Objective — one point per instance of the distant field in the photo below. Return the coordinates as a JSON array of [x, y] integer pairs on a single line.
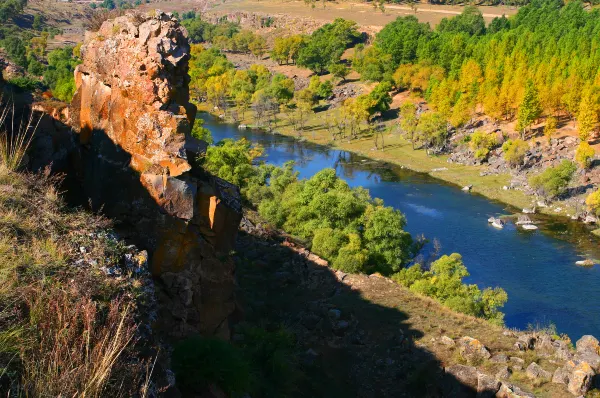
[[364, 14]]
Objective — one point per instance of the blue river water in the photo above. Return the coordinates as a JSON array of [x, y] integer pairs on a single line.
[[537, 269]]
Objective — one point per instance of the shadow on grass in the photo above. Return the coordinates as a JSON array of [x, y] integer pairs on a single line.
[[347, 346]]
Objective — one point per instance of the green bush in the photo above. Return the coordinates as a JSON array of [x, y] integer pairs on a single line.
[[482, 143], [25, 83], [554, 180], [199, 362], [514, 151], [272, 359], [200, 132], [444, 282], [327, 242]]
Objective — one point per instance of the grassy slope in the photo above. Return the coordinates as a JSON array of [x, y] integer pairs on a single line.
[[57, 307]]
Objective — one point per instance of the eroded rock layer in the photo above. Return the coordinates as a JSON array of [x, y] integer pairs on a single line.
[[133, 119]]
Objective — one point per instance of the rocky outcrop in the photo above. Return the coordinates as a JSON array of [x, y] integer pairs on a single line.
[[132, 118]]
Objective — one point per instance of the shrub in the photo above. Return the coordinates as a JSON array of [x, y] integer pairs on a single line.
[[200, 132], [514, 151], [232, 161], [199, 362], [584, 154], [444, 282], [482, 143], [327, 242], [554, 180]]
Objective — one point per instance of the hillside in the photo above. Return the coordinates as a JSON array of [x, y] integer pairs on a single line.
[[138, 260]]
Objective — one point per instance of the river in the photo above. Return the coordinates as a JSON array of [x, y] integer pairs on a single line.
[[536, 268]]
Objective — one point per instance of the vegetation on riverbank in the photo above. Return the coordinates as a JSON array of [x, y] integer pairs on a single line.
[[347, 227]]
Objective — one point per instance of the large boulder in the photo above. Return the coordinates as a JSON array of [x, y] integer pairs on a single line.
[[588, 344], [580, 380], [132, 117]]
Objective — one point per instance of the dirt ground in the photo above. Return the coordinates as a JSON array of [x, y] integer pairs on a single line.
[[364, 14]]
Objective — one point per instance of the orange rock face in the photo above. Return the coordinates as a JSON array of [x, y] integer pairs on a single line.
[[133, 118]]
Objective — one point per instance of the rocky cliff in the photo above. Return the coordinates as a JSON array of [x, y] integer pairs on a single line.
[[131, 153]]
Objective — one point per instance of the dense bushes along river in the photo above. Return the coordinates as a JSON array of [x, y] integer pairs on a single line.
[[348, 227]]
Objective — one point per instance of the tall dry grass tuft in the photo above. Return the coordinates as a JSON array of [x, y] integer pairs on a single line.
[[15, 140], [76, 346]]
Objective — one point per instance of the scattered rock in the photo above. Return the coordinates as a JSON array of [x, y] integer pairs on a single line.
[[503, 373], [472, 349], [512, 391], [334, 313], [499, 358], [487, 386], [535, 372], [445, 340], [467, 188], [561, 375], [467, 375]]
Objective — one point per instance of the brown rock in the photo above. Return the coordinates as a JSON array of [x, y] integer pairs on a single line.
[[503, 373], [466, 375]]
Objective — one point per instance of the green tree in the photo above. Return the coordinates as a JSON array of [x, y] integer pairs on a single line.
[[432, 131], [409, 121], [38, 21], [529, 109], [327, 44], [200, 132], [339, 70], [550, 127]]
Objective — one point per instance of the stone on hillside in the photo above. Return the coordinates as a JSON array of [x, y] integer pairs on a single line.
[[590, 358], [535, 372], [580, 380], [512, 391], [503, 373], [445, 340], [525, 342], [466, 375], [499, 358], [487, 386], [334, 313], [588, 344], [472, 349], [561, 375]]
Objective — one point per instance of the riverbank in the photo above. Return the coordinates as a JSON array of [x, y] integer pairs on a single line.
[[399, 151]]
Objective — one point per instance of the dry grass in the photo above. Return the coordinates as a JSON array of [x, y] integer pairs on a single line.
[[15, 139], [66, 329]]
